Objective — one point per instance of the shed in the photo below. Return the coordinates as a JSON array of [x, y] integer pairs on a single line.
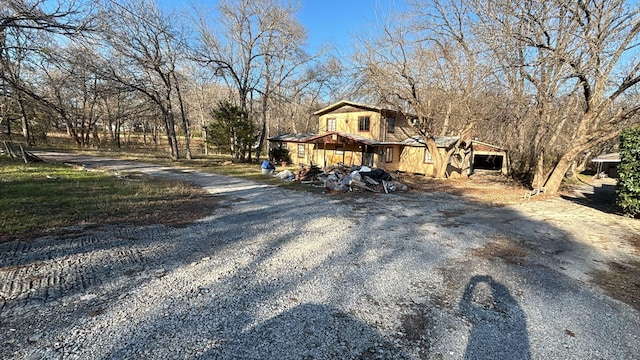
[[489, 157]]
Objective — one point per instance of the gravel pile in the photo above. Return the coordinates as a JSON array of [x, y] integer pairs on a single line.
[[276, 274]]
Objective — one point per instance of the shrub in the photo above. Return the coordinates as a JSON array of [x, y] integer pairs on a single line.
[[628, 189], [278, 154]]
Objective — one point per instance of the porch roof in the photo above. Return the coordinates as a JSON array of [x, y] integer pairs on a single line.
[[333, 135], [291, 137], [441, 141]]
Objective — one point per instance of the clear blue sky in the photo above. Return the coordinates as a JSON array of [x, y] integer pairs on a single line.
[[336, 21], [326, 21]]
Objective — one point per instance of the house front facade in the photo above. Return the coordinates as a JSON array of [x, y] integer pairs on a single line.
[[357, 134]]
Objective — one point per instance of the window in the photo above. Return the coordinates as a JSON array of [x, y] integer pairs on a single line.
[[427, 156], [389, 155], [391, 125], [300, 150], [339, 150], [331, 124], [363, 123]]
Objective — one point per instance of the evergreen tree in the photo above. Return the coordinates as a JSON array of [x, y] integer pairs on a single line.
[[233, 131]]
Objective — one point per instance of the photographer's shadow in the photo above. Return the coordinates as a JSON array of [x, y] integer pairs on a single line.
[[499, 324]]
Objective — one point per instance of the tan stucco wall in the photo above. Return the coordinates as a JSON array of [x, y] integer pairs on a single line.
[[412, 161], [293, 153], [347, 122]]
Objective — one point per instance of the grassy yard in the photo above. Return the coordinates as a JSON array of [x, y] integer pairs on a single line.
[[40, 197]]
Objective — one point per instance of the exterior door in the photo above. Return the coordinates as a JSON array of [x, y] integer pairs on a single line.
[[367, 156]]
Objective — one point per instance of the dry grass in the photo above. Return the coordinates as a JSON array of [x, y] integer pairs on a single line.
[[482, 187], [40, 198], [621, 281]]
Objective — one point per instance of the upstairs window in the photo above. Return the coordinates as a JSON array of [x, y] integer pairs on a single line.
[[391, 125], [363, 123], [331, 124]]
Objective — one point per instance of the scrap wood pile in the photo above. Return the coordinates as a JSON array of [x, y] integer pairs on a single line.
[[345, 178], [18, 152]]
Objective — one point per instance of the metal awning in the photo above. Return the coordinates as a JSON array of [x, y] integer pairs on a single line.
[[607, 158]]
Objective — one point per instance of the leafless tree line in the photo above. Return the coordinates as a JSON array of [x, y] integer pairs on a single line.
[[551, 81], [98, 68]]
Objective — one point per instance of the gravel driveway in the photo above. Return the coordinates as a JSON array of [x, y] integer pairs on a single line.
[[280, 274]]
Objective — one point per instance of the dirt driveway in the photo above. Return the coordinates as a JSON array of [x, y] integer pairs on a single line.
[[280, 274]]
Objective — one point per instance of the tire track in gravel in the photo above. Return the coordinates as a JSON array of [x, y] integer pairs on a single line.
[[51, 270]]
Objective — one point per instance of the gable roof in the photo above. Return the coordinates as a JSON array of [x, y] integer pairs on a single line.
[[342, 103]]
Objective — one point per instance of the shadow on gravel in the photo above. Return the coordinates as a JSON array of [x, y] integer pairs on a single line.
[[602, 197], [499, 324], [275, 274], [310, 331]]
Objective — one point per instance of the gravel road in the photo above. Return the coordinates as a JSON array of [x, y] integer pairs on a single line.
[[280, 274]]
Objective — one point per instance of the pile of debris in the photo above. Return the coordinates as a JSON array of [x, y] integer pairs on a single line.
[[18, 152], [345, 178], [308, 173]]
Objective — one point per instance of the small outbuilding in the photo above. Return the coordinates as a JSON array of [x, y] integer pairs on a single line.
[[607, 165], [486, 156]]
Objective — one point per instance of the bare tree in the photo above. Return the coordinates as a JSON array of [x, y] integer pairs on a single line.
[[255, 49], [60, 17], [13, 61], [575, 60], [73, 89], [148, 45], [423, 65], [559, 73], [23, 26]]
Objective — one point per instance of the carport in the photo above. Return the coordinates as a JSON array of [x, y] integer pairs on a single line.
[[607, 164]]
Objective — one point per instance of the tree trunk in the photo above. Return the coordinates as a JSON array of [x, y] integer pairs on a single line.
[[582, 166], [553, 183], [26, 132], [538, 174], [9, 128], [185, 121], [263, 131], [439, 165], [170, 127], [171, 135]]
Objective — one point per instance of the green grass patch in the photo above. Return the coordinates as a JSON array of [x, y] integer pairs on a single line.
[[39, 197]]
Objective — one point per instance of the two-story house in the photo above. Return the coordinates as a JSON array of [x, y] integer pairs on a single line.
[[359, 134]]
